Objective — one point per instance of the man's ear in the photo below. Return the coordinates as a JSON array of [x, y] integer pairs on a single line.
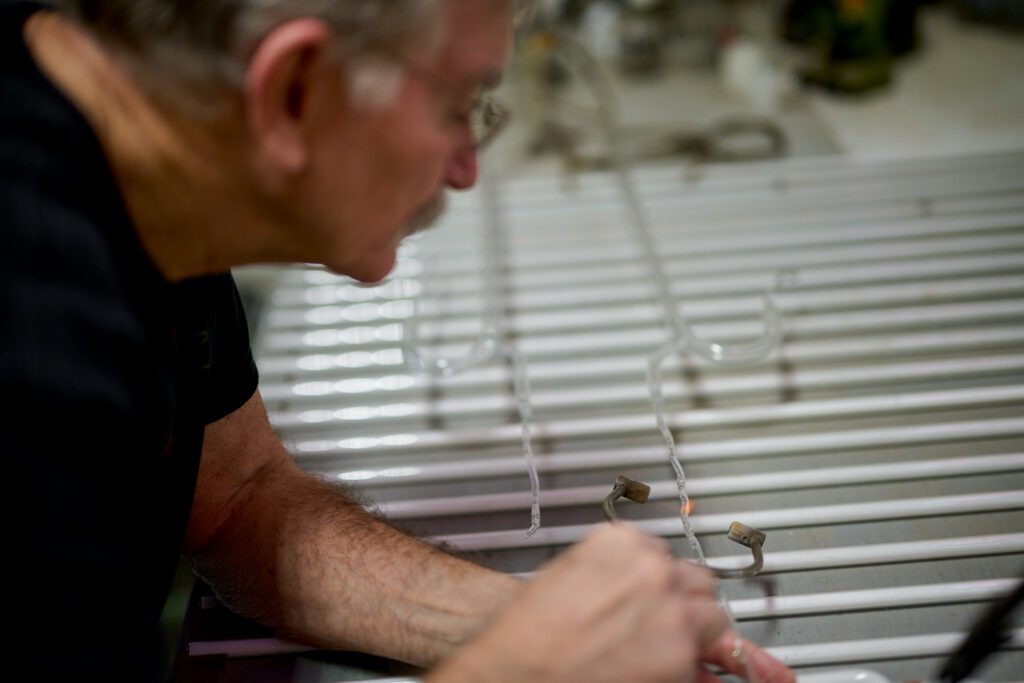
[[279, 83]]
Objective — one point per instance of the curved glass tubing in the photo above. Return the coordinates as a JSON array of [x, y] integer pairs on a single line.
[[490, 344], [682, 338]]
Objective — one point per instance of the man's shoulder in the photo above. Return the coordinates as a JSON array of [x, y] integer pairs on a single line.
[[64, 227], [64, 235]]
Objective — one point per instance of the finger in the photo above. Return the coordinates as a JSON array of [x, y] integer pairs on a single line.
[[696, 581], [748, 661], [729, 653], [767, 668], [708, 622]]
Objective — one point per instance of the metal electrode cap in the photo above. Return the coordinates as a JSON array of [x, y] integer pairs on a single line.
[[746, 535], [633, 490]]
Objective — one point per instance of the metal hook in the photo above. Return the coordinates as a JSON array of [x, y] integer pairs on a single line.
[[739, 533], [624, 488], [751, 538]]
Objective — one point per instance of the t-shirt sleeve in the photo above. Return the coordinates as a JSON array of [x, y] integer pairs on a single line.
[[233, 373]]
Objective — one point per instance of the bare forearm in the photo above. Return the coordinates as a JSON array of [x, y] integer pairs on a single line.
[[297, 554], [302, 557]]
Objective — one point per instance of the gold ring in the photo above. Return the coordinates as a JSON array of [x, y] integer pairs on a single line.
[[737, 649]]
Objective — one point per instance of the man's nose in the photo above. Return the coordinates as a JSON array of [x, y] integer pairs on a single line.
[[461, 171]]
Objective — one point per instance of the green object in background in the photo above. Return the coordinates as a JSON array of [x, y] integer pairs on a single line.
[[852, 38]]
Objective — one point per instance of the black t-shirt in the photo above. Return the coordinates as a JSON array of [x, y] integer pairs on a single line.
[[109, 374]]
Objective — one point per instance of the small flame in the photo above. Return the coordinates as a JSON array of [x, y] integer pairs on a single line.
[[688, 508]]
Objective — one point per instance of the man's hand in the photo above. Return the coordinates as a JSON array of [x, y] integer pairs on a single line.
[[616, 607]]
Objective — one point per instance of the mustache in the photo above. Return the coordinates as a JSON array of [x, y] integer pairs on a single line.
[[428, 215]]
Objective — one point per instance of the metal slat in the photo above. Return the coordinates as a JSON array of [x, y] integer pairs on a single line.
[[425, 471], [603, 295], [736, 282], [621, 395], [792, 259], [879, 649], [874, 599], [880, 447], [761, 519], [730, 178], [713, 486], [866, 274], [578, 212], [619, 425], [883, 553], [601, 221], [760, 235], [617, 365], [825, 653], [569, 321], [816, 559]]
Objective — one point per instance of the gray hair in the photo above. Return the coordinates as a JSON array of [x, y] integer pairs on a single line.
[[203, 46]]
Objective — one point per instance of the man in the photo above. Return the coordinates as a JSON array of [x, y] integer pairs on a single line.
[[148, 147]]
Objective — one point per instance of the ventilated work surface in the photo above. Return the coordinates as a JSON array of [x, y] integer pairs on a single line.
[[881, 446]]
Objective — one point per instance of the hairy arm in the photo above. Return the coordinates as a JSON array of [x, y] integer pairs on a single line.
[[297, 554]]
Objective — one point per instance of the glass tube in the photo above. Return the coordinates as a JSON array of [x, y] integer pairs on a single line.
[[490, 344]]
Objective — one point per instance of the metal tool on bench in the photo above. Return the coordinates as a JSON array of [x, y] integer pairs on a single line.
[[749, 537], [988, 634]]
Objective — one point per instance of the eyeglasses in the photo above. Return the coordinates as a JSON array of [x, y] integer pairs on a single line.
[[487, 116]]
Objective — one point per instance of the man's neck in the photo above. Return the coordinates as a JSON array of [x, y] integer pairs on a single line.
[[188, 206]]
